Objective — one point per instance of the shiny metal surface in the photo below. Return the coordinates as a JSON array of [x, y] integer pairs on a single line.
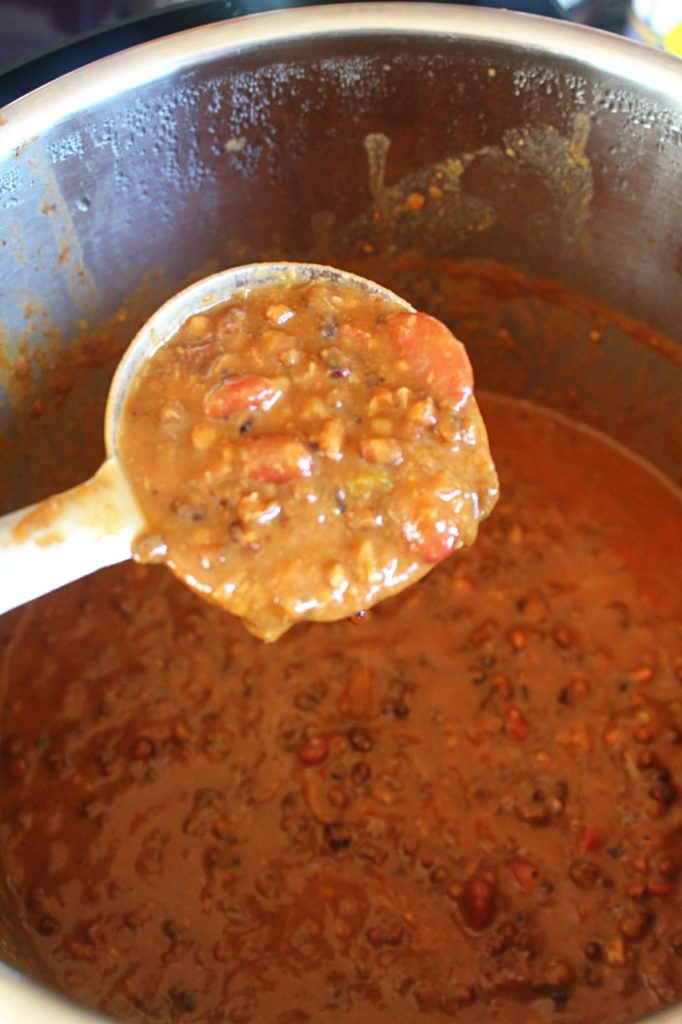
[[141, 143], [297, 135]]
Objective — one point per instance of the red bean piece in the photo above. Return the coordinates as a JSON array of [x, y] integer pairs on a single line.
[[314, 751], [478, 903], [516, 724], [590, 839]]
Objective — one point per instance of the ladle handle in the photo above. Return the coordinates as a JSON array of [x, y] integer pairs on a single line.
[[67, 536]]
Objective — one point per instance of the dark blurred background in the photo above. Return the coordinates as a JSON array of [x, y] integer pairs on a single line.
[[84, 30]]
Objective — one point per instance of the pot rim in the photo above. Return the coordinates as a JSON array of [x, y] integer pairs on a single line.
[[25, 119]]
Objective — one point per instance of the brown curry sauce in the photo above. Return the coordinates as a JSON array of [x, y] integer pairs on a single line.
[[465, 806]]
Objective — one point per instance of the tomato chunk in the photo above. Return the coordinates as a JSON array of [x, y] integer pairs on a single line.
[[276, 458], [239, 393], [431, 536], [435, 357]]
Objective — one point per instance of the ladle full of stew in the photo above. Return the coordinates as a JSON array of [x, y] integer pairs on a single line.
[[293, 441]]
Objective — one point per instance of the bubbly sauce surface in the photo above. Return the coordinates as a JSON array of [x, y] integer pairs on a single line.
[[465, 807]]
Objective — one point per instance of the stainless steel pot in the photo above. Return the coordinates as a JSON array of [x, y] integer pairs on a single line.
[[299, 133]]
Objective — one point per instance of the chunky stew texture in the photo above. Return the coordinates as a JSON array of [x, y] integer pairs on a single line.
[[305, 451], [465, 807]]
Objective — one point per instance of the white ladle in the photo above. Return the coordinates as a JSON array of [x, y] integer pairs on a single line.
[[93, 525]]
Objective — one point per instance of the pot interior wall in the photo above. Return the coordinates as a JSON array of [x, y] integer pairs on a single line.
[[387, 155], [335, 147]]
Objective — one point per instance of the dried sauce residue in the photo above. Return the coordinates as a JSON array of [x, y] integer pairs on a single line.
[[439, 206], [565, 169], [70, 257]]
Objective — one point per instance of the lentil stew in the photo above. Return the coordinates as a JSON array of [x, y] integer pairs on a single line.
[[305, 451], [466, 807]]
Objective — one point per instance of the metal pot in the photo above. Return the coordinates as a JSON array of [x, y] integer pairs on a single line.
[[296, 133]]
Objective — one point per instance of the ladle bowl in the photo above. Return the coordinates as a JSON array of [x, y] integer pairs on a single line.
[[94, 524]]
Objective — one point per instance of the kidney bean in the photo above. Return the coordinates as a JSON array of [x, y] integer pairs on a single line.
[[478, 903]]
